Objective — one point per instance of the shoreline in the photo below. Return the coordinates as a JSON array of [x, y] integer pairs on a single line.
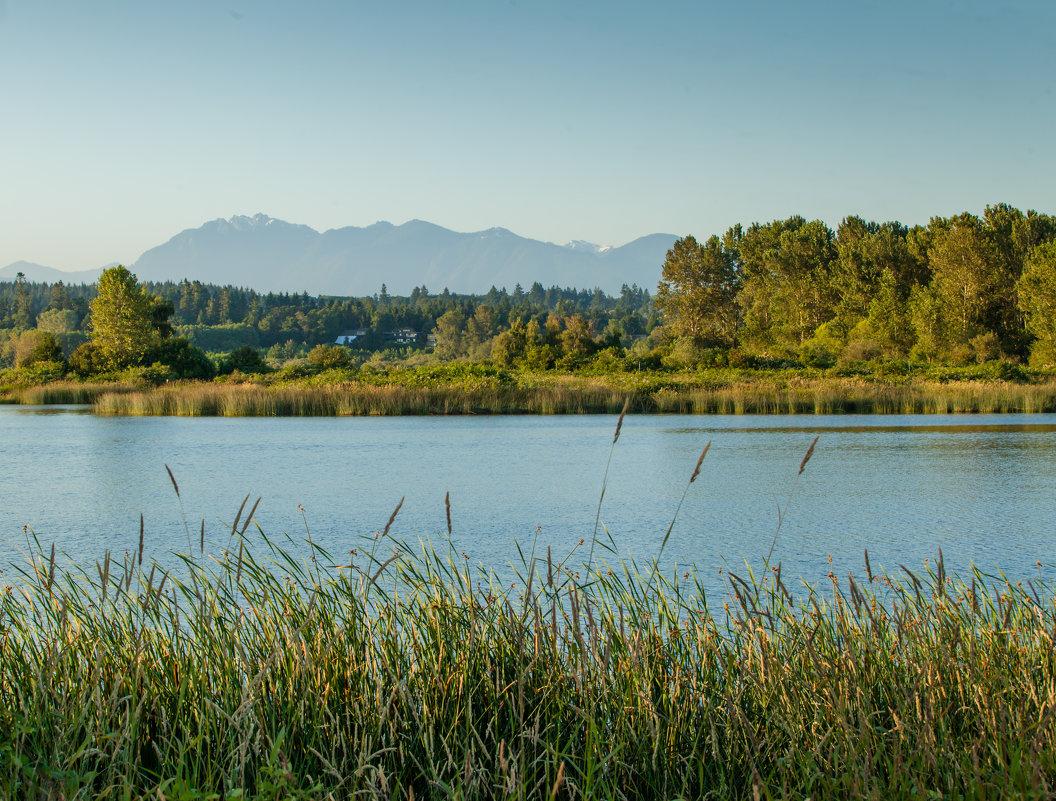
[[535, 393]]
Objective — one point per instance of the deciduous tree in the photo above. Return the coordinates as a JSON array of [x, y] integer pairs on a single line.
[[122, 319], [697, 292]]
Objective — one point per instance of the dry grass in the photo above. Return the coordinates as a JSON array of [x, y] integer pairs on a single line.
[[75, 392], [579, 395]]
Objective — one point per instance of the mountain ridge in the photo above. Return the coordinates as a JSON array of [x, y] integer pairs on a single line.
[[272, 255]]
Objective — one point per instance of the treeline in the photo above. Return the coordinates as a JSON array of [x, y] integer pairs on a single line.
[[867, 295], [221, 319], [960, 289]]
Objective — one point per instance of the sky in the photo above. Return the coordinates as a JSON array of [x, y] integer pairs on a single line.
[[125, 122]]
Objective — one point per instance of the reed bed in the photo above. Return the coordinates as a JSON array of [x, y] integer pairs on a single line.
[[356, 400], [275, 670], [75, 392], [584, 395]]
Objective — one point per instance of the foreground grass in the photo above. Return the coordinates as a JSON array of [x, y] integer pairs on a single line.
[[404, 674]]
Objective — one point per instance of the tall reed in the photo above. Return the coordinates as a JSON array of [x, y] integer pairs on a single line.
[[276, 670], [74, 392], [580, 395]]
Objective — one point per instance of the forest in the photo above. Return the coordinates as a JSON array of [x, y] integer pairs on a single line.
[[790, 293]]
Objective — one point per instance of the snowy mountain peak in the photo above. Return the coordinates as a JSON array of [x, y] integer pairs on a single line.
[[241, 221], [582, 246]]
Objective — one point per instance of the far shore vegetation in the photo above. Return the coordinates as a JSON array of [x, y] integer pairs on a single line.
[[783, 317]]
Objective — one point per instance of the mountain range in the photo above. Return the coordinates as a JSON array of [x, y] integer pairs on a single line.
[[271, 255]]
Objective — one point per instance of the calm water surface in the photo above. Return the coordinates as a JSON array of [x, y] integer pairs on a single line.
[[982, 488]]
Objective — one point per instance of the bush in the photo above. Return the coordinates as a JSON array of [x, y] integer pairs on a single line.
[[860, 350], [1004, 370], [985, 347], [34, 374], [181, 358], [154, 374], [741, 360], [33, 346], [246, 359], [86, 360], [816, 354], [329, 356]]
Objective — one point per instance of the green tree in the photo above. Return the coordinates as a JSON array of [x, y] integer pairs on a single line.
[[788, 289], [1037, 300], [245, 359], [23, 302], [968, 280], [450, 333], [122, 322], [58, 321], [697, 293], [33, 346], [871, 258]]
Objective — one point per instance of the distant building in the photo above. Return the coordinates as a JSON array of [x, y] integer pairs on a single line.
[[350, 335], [404, 336]]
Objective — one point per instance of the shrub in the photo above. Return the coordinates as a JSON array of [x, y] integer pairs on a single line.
[[246, 359], [985, 347], [182, 359], [860, 350], [32, 346], [329, 356], [816, 354], [86, 360]]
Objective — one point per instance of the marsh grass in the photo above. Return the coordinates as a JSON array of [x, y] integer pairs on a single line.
[[533, 394], [275, 669], [75, 392], [357, 400]]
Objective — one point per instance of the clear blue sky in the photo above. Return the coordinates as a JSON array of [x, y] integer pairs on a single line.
[[123, 122]]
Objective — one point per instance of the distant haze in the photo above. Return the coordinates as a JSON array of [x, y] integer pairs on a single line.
[[271, 255]]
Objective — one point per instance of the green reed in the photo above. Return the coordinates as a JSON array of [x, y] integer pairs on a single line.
[[76, 392], [279, 670], [570, 394]]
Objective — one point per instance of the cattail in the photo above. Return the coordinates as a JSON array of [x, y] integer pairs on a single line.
[[619, 423], [700, 461], [392, 517], [249, 517], [234, 526], [806, 458], [447, 506], [141, 538], [172, 478]]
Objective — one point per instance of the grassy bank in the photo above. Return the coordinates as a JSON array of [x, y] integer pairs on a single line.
[[76, 392], [569, 394], [277, 677]]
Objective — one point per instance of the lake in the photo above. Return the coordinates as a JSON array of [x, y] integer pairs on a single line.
[[981, 488]]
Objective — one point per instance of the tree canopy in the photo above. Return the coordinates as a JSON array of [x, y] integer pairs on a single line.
[[122, 321]]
